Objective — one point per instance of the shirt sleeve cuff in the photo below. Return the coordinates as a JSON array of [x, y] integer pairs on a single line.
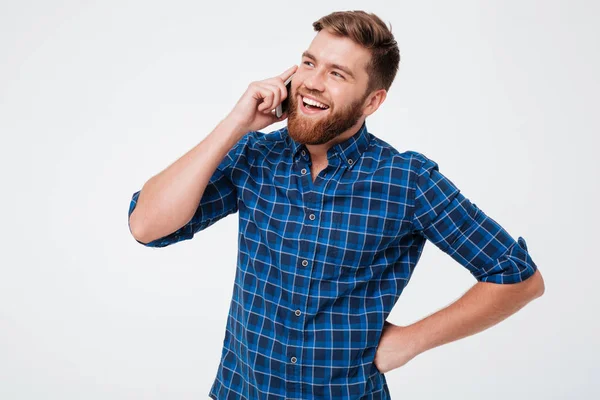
[[516, 265]]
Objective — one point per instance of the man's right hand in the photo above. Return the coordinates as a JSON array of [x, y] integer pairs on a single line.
[[255, 109]]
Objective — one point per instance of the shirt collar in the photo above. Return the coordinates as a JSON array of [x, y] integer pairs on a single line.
[[348, 152]]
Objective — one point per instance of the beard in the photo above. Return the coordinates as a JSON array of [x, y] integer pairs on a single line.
[[319, 129]]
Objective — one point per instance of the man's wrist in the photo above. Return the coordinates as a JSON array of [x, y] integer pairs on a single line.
[[414, 339], [232, 129]]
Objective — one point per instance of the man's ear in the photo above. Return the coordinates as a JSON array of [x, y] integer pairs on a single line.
[[373, 101]]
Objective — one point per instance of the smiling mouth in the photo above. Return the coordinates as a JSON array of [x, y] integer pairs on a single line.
[[309, 109]]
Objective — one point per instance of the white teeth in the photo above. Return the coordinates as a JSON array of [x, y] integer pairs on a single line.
[[314, 103]]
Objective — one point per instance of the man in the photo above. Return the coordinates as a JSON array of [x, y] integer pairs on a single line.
[[332, 221]]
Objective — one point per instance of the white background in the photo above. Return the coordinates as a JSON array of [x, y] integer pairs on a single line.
[[97, 97]]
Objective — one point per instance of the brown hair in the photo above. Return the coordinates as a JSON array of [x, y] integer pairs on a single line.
[[369, 31]]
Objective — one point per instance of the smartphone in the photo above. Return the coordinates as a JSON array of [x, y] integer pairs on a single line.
[[283, 107]]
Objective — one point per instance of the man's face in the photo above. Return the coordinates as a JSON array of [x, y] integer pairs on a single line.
[[343, 89]]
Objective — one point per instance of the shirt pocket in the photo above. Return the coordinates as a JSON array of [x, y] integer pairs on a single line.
[[366, 232], [364, 238]]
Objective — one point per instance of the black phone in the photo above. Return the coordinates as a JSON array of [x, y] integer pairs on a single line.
[[283, 107]]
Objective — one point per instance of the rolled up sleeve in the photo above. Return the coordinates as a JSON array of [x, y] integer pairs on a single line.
[[445, 217], [218, 200]]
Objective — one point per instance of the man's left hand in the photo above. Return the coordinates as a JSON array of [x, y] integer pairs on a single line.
[[394, 349]]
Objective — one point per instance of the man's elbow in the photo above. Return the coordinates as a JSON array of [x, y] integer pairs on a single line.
[[135, 229], [535, 284]]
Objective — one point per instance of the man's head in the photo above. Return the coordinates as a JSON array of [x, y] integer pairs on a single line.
[[349, 67]]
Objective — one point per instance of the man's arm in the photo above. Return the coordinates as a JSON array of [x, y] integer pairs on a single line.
[[168, 203], [507, 276], [168, 200], [482, 306]]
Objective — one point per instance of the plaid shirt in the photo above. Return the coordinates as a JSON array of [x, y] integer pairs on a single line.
[[320, 265]]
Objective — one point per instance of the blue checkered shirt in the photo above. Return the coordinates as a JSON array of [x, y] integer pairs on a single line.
[[321, 264]]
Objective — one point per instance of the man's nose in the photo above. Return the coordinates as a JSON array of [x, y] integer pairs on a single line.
[[315, 82]]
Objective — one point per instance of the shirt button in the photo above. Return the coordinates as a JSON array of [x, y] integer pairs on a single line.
[[303, 171], [350, 161], [294, 359], [312, 217], [297, 313], [303, 152], [304, 263]]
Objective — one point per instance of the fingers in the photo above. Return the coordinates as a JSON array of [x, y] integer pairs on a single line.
[[262, 93], [271, 92], [271, 97], [288, 72], [283, 92], [282, 89]]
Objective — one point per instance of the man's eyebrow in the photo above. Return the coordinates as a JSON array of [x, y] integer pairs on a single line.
[[332, 65]]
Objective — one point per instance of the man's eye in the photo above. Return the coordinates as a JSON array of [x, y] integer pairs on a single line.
[[337, 73]]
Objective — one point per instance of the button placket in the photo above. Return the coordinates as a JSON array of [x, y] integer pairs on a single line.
[[299, 303]]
